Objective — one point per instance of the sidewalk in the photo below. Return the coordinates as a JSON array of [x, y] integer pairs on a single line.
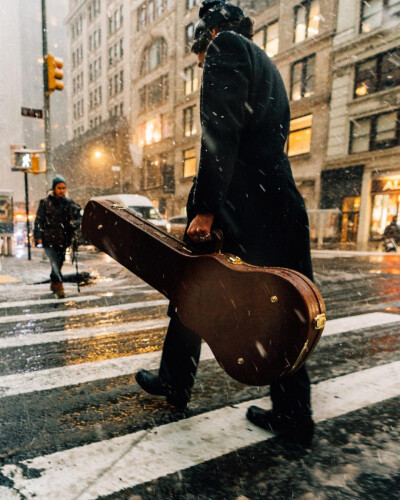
[[18, 269]]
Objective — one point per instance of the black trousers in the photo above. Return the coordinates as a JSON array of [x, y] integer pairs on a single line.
[[180, 358], [56, 256]]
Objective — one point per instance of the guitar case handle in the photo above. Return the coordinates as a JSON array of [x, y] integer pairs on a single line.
[[206, 247], [218, 239]]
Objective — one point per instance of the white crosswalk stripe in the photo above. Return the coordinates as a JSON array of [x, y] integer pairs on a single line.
[[80, 312], [11, 385], [108, 466], [102, 468]]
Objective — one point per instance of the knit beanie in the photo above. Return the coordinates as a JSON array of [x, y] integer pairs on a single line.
[[57, 179]]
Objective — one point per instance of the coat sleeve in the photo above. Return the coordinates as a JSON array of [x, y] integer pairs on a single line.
[[75, 215], [223, 111], [39, 221]]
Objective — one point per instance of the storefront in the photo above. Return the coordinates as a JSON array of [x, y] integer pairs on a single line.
[[385, 192]]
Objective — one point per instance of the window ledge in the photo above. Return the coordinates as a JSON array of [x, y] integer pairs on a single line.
[[301, 156]]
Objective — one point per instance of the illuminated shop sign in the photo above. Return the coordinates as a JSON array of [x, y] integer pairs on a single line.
[[386, 185]]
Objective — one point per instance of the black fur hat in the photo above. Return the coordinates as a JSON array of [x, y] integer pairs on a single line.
[[214, 13]]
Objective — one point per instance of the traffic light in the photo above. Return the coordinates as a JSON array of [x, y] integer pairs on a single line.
[[22, 160], [35, 164], [54, 74]]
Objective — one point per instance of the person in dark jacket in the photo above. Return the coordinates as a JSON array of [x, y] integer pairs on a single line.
[[245, 187], [57, 219]]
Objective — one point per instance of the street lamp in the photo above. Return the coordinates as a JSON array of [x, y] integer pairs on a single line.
[[97, 154]]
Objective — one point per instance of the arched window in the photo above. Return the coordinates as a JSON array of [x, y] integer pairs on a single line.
[[153, 55]]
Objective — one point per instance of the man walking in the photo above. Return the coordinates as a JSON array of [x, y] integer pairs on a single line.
[[245, 187], [57, 219]]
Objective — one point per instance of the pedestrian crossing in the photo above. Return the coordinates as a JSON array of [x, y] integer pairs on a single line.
[[103, 467]]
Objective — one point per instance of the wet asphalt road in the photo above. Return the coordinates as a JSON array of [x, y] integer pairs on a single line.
[[52, 399]]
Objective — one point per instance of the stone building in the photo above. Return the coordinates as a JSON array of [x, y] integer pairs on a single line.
[[166, 81], [132, 58], [361, 174]]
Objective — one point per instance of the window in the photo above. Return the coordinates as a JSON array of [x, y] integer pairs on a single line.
[[189, 162], [376, 12], [306, 20], [154, 93], [299, 141], [153, 173], [267, 38], [153, 130], [191, 79], [302, 78], [121, 81], [149, 11], [380, 73], [189, 125], [191, 3], [154, 55], [189, 35], [375, 132]]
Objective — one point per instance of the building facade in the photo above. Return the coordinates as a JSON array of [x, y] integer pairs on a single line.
[[98, 65], [133, 59], [361, 174], [166, 83]]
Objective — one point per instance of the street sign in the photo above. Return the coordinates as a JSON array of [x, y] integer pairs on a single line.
[[33, 113]]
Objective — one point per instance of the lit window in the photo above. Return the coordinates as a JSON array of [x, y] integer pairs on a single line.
[[380, 73], [299, 141], [267, 38], [189, 162], [151, 131], [306, 20], [191, 79]]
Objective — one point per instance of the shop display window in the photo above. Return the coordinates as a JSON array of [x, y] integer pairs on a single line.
[[385, 208], [299, 141]]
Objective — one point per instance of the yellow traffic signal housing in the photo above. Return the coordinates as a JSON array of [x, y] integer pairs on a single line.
[[35, 164], [54, 74]]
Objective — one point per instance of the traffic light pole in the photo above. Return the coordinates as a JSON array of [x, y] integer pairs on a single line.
[[28, 225], [46, 101]]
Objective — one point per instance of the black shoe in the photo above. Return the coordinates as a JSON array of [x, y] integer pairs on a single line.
[[150, 383], [298, 429], [153, 385]]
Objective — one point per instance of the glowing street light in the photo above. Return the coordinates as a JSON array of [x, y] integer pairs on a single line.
[[97, 154]]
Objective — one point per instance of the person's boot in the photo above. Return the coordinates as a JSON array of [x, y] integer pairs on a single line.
[[52, 286], [59, 290], [153, 385], [299, 429]]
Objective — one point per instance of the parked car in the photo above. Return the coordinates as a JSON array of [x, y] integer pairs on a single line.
[[140, 205], [178, 225]]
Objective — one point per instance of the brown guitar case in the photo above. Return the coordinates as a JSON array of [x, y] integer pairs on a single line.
[[261, 323]]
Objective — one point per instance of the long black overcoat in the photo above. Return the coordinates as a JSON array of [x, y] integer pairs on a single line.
[[244, 176]]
